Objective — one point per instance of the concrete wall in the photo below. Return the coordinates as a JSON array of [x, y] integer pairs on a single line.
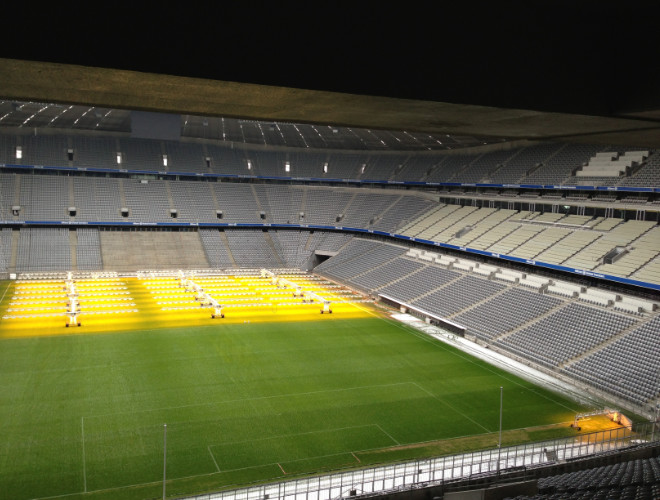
[[142, 250]]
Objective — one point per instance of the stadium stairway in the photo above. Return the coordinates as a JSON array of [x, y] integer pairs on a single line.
[[170, 200], [410, 228], [14, 251], [515, 239], [257, 200], [73, 244], [651, 268], [309, 242], [122, 194], [72, 197], [494, 234], [225, 242], [378, 266], [458, 173], [389, 207], [347, 207], [532, 321], [214, 197], [396, 280], [476, 304], [17, 190], [276, 253], [451, 281], [303, 201], [607, 342]]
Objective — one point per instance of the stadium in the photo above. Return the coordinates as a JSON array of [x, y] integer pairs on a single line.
[[205, 295]]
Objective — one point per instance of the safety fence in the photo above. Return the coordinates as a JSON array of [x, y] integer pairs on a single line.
[[440, 470]]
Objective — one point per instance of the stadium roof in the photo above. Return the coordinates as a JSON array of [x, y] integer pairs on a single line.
[[459, 75]]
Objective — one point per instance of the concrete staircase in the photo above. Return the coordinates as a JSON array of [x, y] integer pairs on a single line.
[[225, 242]]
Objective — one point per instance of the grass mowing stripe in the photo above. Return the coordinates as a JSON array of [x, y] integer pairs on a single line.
[[450, 406], [298, 434], [132, 440], [259, 398], [221, 382], [456, 352], [82, 428], [535, 389], [216, 473], [300, 448]]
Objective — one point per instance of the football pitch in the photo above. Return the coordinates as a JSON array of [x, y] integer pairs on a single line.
[[263, 394]]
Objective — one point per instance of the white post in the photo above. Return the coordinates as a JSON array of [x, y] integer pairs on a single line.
[[164, 457], [499, 443], [501, 399]]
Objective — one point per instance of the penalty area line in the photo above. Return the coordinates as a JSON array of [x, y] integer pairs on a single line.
[[351, 453], [205, 475], [213, 458], [450, 406], [387, 434]]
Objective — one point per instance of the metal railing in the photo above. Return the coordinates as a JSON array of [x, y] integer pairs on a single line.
[[440, 470]]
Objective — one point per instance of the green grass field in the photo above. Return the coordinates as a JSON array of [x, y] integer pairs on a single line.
[[242, 403], [82, 416]]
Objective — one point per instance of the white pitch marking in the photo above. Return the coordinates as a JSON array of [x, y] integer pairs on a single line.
[[216, 463], [387, 434]]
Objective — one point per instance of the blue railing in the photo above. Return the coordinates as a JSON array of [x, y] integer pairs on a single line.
[[320, 227], [192, 175]]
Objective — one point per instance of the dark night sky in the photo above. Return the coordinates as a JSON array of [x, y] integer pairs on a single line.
[[571, 57]]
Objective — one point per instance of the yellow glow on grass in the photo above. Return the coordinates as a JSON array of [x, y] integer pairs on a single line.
[[597, 423], [161, 303]]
